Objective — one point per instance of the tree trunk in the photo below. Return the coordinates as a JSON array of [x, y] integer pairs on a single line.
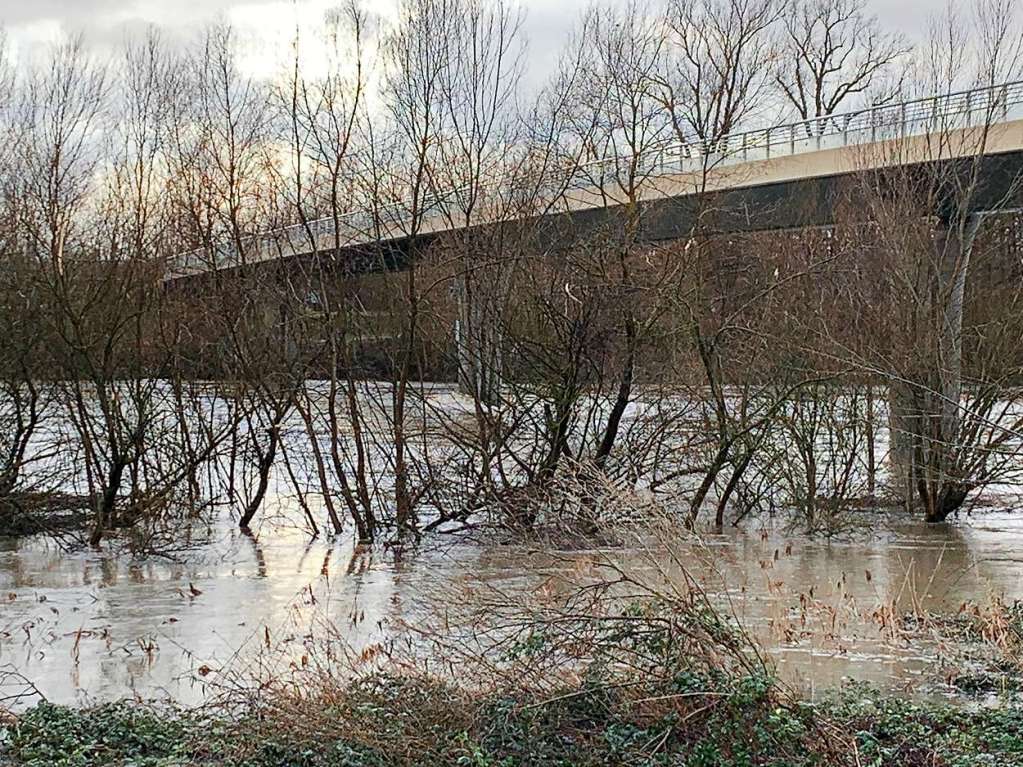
[[105, 513], [614, 419], [733, 482], [871, 439], [902, 431], [478, 340], [720, 459], [266, 462], [925, 407]]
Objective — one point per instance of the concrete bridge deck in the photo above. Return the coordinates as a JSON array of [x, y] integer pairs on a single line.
[[775, 178]]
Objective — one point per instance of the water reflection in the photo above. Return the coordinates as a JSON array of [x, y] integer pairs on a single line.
[[88, 626]]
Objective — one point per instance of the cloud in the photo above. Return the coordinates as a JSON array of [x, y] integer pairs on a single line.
[[18, 12], [268, 24], [105, 24]]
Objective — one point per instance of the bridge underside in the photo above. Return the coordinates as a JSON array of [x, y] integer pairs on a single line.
[[804, 203], [814, 202]]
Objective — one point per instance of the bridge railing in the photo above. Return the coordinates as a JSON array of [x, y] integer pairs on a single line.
[[978, 106]]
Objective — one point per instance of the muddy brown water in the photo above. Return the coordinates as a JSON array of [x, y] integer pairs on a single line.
[[86, 627]]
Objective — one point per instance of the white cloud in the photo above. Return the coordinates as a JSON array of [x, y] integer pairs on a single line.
[[267, 27], [31, 39]]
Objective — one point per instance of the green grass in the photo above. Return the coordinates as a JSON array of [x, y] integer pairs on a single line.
[[384, 721]]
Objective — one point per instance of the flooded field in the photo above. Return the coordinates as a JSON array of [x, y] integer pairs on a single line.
[[85, 627]]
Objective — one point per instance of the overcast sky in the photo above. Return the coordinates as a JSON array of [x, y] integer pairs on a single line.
[[269, 23]]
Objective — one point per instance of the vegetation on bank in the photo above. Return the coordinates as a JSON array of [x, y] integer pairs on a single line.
[[661, 679], [384, 720]]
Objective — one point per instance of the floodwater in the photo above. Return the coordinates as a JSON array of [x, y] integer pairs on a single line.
[[85, 627]]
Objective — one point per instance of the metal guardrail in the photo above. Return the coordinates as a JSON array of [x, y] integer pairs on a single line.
[[979, 106], [995, 103]]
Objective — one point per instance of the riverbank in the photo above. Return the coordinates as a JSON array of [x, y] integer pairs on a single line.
[[383, 721], [579, 679]]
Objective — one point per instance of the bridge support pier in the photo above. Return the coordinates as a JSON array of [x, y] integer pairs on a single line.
[[478, 337], [925, 397]]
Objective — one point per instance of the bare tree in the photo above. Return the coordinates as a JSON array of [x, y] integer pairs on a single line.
[[417, 53], [225, 193], [478, 152], [323, 122], [23, 399], [929, 210], [832, 53], [718, 70]]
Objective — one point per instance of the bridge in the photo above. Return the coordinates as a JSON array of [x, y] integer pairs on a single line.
[[785, 176], [782, 177]]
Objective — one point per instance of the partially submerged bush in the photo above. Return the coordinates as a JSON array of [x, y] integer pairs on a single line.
[[985, 641]]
